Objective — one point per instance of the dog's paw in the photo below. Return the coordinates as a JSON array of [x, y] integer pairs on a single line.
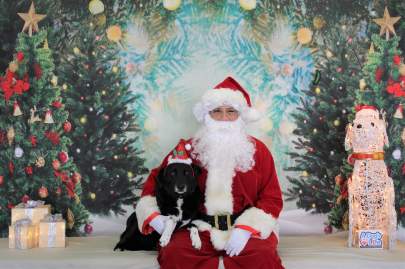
[[195, 238], [164, 239]]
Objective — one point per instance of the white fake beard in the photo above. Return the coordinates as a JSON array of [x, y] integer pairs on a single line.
[[224, 144]]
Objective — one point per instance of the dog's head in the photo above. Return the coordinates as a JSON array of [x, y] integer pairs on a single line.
[[179, 179]]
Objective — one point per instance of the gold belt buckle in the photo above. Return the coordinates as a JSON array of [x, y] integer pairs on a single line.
[[228, 221], [216, 221]]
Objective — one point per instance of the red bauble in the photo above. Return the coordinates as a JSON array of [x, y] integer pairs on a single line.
[[10, 206], [63, 157], [1, 180], [396, 59], [67, 126], [57, 104], [88, 228], [11, 168], [58, 191], [56, 164], [378, 74], [33, 140], [53, 137], [37, 71], [28, 170], [20, 56], [25, 199], [328, 229], [43, 192], [76, 177]]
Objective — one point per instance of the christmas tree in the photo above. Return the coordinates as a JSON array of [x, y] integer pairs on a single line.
[[384, 75], [104, 129], [34, 159], [320, 158]]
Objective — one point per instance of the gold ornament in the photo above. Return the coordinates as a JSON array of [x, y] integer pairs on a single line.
[[362, 84], [387, 24], [76, 50], [329, 54], [54, 80], [315, 130], [33, 118], [92, 195], [64, 86], [96, 7], [115, 69], [247, 4], [402, 69], [100, 19], [171, 5], [317, 90], [10, 135], [305, 173], [31, 20], [319, 22], [131, 175], [40, 162], [70, 219], [114, 33], [83, 120], [46, 46], [77, 199], [403, 136], [13, 66], [336, 122], [304, 35]]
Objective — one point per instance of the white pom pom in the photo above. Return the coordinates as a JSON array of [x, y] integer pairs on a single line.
[[188, 146], [251, 114]]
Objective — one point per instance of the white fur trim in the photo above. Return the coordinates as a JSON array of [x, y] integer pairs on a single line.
[[220, 97], [218, 191], [219, 238], [187, 146], [259, 220], [171, 160], [146, 206]]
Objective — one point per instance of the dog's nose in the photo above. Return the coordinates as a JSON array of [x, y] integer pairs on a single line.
[[181, 187]]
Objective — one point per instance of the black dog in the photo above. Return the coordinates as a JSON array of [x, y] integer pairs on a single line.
[[177, 196]]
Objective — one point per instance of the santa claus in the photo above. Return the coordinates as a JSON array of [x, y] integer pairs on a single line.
[[242, 195]]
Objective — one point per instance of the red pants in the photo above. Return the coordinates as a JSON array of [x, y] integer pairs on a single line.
[[179, 254]]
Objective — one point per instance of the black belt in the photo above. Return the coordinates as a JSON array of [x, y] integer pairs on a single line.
[[221, 222]]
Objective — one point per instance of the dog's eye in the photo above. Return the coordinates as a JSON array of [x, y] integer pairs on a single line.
[[186, 173], [172, 173], [359, 126], [372, 124]]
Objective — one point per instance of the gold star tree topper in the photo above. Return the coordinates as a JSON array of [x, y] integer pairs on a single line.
[[387, 23], [31, 20]]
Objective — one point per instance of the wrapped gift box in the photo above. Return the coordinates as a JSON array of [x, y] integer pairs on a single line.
[[52, 231], [23, 234], [34, 210]]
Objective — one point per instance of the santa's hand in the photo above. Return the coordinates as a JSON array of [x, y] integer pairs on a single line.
[[237, 242], [158, 223]]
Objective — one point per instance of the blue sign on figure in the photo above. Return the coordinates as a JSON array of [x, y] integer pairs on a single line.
[[370, 239]]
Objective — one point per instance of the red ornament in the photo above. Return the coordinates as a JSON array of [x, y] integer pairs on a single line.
[[327, 229], [3, 137], [53, 137], [11, 168], [56, 164], [63, 157], [402, 209], [1, 180], [20, 56], [43, 192], [57, 104], [76, 177], [33, 140], [28, 170], [378, 74], [403, 169], [37, 71], [339, 69], [396, 59], [25, 199], [67, 126], [58, 191], [10, 206], [88, 228]]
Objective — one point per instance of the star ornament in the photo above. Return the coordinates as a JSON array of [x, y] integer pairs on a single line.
[[387, 24], [31, 20]]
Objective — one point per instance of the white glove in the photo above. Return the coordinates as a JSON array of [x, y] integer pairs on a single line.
[[158, 223], [237, 242]]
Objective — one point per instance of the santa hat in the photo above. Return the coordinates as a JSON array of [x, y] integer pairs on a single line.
[[230, 93], [180, 153], [367, 111]]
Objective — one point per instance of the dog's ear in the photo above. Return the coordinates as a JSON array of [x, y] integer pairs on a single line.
[[160, 176], [196, 169]]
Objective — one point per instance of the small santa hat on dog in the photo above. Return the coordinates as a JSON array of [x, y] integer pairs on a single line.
[[227, 93], [180, 154]]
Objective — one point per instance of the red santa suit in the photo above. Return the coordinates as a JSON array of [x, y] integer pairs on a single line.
[[254, 195]]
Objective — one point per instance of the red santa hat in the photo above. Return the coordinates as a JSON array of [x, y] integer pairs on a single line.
[[180, 153], [366, 111], [227, 93]]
